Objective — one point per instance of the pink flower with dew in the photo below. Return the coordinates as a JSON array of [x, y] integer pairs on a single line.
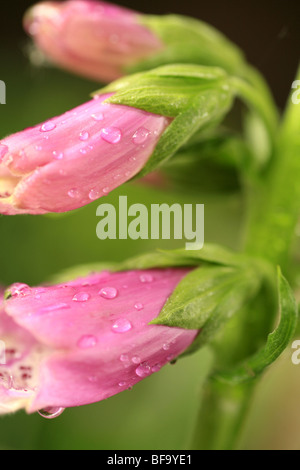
[[75, 158], [83, 341], [93, 39]]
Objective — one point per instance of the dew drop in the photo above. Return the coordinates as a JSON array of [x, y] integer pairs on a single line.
[[105, 190], [92, 378], [19, 289], [122, 384], [57, 155], [143, 370], [136, 360], [51, 412], [122, 326], [74, 193], [124, 358], [138, 306], [156, 368], [140, 136], [97, 117], [146, 278], [47, 126], [111, 135], [108, 292], [87, 342], [166, 346], [81, 297], [84, 136], [94, 194]]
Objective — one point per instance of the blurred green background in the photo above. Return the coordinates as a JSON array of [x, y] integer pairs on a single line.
[[160, 412]]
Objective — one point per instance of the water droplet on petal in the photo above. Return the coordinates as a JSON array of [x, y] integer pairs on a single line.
[[124, 358], [38, 147], [105, 190], [51, 412], [47, 126], [57, 155], [81, 297], [138, 306], [156, 368], [143, 370], [74, 193], [87, 341], [122, 326], [92, 378], [140, 136], [166, 346], [19, 289], [84, 136], [111, 135], [97, 117], [146, 278], [108, 292], [136, 360], [94, 194], [122, 384]]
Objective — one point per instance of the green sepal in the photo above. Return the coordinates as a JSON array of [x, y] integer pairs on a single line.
[[208, 297], [196, 97], [188, 40], [276, 342]]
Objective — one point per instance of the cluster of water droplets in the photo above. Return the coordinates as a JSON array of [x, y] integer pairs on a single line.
[[121, 325], [109, 134]]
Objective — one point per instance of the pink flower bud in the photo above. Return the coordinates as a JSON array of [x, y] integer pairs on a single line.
[[80, 342], [73, 159], [93, 39]]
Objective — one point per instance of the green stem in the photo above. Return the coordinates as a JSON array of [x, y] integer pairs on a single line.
[[221, 415], [260, 102], [274, 198], [274, 211]]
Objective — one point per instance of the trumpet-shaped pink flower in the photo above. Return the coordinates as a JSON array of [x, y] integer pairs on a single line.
[[86, 340], [94, 39], [73, 159]]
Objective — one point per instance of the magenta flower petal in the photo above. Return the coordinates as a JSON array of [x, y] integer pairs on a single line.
[[93, 39], [73, 159], [20, 354], [94, 334]]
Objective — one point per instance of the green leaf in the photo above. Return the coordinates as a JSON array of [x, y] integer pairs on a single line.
[[276, 342]]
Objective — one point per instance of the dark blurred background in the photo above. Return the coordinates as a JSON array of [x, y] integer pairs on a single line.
[[268, 31], [159, 413]]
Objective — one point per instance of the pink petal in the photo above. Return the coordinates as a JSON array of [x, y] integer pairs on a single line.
[[73, 159], [99, 332]]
